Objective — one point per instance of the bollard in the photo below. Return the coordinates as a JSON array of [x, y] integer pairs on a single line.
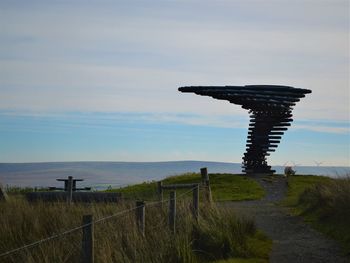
[[88, 240], [172, 211], [195, 205], [140, 216]]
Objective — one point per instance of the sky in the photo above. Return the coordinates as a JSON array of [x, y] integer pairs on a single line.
[[97, 80]]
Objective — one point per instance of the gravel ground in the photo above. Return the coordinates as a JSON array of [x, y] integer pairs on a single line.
[[293, 240]]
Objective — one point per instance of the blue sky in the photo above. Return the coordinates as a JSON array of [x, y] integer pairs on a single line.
[[97, 80]]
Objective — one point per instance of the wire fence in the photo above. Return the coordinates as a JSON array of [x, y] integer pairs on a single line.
[[69, 231]]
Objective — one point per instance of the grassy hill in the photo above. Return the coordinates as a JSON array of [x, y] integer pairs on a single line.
[[324, 203], [225, 187], [220, 235]]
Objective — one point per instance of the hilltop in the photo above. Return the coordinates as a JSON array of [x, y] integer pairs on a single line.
[[102, 174]]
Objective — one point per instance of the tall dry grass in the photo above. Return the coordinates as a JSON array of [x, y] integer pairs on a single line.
[[218, 234], [327, 205], [330, 198]]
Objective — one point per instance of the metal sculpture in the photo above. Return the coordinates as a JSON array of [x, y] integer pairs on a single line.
[[270, 107]]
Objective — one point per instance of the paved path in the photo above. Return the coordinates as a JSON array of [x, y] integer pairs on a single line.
[[293, 240]]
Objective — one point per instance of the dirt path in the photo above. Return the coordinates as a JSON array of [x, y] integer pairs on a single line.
[[293, 240]]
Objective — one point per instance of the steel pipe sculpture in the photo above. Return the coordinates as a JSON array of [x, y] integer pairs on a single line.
[[270, 109]]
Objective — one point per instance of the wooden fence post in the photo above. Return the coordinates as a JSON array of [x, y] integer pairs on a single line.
[[69, 189], [140, 216], [3, 194], [204, 173], [172, 211], [206, 183], [195, 204], [88, 240], [208, 191], [160, 193]]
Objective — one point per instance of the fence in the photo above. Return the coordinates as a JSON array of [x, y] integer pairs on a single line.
[[88, 222]]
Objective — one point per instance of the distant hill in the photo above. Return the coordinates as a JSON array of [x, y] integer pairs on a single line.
[[103, 174]]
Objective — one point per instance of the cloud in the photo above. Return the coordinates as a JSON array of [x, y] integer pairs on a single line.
[[87, 57], [324, 128], [63, 122]]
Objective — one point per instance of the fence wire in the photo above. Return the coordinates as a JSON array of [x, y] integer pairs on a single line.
[[55, 236]]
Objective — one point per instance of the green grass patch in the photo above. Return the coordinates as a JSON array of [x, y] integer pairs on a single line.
[[225, 187], [260, 245], [324, 203], [297, 185]]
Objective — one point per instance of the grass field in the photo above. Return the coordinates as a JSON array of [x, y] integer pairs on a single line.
[[298, 184], [225, 187], [219, 236], [323, 202]]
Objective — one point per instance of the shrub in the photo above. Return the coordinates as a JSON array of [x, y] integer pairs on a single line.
[[289, 171]]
